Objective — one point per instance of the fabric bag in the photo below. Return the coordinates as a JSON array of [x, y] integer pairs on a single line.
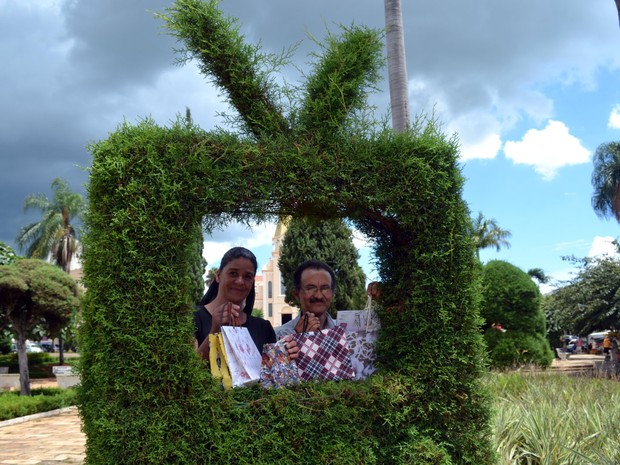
[[242, 356], [277, 369], [233, 356], [217, 360], [324, 355], [362, 329]]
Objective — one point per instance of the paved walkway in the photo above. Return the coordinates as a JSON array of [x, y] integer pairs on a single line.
[[54, 438], [50, 438]]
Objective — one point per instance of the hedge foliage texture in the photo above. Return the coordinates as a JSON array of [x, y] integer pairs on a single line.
[[146, 398]]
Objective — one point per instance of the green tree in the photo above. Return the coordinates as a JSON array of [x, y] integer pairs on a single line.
[[7, 254], [511, 299], [606, 180], [539, 275], [33, 294], [397, 65], [55, 232], [330, 241], [487, 233], [588, 302]]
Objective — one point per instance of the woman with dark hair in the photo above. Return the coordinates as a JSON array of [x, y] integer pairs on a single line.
[[231, 295]]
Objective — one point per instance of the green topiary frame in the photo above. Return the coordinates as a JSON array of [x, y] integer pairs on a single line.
[[146, 398]]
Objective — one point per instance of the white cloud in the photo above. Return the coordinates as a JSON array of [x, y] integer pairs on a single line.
[[614, 117], [487, 148], [603, 246], [547, 149], [237, 235]]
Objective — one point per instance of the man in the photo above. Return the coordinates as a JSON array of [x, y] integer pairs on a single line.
[[315, 283]]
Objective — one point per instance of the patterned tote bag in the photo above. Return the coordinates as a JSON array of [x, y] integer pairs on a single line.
[[362, 329], [324, 355], [277, 369]]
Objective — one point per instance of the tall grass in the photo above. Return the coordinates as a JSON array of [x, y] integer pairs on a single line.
[[555, 419]]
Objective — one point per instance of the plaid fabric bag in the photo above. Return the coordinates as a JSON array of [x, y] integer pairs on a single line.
[[324, 355], [277, 369]]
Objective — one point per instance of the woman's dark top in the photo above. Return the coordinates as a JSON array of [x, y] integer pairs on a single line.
[[261, 330]]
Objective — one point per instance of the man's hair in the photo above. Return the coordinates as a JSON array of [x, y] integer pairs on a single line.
[[314, 265]]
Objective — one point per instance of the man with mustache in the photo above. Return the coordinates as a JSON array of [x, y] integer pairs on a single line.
[[315, 283]]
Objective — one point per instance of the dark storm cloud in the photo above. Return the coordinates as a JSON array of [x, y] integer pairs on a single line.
[[72, 70]]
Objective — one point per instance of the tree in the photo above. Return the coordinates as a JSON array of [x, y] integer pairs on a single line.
[[34, 293], [539, 275], [397, 65], [211, 275], [7, 254], [606, 180], [329, 241], [54, 233], [588, 302], [511, 300], [486, 233]]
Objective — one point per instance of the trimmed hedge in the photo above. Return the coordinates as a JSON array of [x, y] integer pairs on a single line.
[[146, 397], [511, 298]]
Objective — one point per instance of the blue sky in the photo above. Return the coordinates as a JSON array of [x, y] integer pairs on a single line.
[[530, 88]]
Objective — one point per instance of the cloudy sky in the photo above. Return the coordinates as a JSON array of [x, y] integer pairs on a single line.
[[530, 87]]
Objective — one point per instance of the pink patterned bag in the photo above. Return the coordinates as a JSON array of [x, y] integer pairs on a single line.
[[324, 355]]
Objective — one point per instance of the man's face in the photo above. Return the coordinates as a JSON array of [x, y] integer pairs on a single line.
[[316, 293]]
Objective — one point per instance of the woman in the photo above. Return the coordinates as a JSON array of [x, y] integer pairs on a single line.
[[234, 285]]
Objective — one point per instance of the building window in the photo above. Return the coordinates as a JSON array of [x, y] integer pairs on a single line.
[[270, 310], [270, 290], [282, 288]]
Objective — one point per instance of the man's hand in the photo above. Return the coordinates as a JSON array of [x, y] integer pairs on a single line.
[[313, 323], [291, 347]]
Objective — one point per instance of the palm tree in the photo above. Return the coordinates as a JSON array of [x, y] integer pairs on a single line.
[[606, 180], [54, 234], [486, 233], [397, 65]]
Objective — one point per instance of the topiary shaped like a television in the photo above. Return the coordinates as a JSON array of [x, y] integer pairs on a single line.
[[147, 398]]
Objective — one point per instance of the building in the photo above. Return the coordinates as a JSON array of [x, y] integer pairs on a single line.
[[270, 288]]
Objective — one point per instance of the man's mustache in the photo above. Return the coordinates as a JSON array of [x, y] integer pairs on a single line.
[[314, 300]]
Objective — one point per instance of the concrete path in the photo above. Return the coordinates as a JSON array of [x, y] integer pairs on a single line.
[[52, 438]]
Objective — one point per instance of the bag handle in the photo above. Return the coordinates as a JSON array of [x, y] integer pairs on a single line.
[[234, 320], [304, 316]]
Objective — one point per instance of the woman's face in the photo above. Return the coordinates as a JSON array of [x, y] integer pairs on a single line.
[[236, 280]]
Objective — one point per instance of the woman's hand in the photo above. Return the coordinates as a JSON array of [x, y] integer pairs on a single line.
[[291, 347], [225, 314]]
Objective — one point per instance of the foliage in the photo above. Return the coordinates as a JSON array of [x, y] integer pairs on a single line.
[[34, 294], [143, 388], [5, 341], [7, 254], [330, 241], [39, 364], [606, 180], [512, 299], [487, 233], [54, 233], [555, 419], [588, 302], [12, 405]]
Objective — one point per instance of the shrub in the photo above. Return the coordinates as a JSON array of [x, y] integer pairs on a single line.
[[511, 298], [12, 405]]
